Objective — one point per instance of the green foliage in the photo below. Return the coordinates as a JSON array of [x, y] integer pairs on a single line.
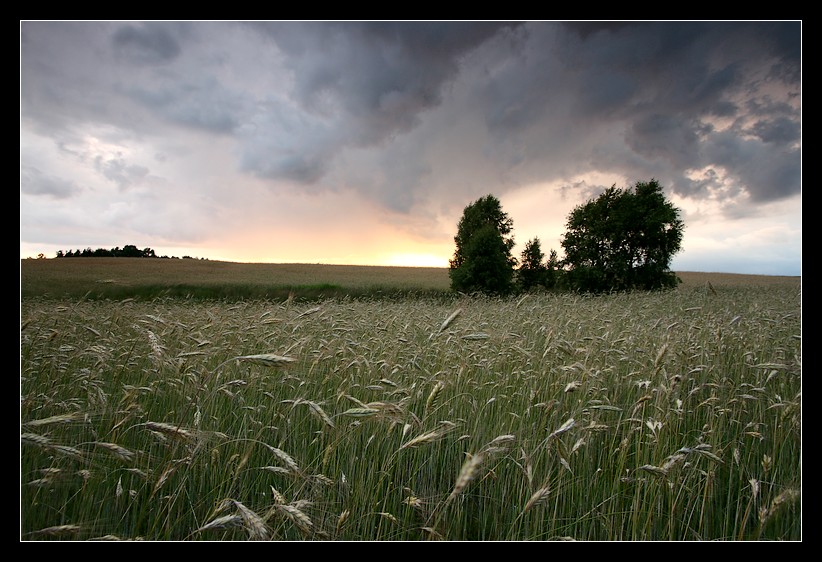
[[482, 260], [553, 272], [623, 240], [532, 272]]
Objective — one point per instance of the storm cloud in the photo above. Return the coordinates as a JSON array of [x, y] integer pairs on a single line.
[[414, 117]]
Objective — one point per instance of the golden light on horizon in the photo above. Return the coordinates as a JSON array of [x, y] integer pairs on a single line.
[[416, 260]]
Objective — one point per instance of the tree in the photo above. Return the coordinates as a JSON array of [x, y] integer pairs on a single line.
[[482, 260], [554, 271], [131, 251], [623, 240], [532, 271]]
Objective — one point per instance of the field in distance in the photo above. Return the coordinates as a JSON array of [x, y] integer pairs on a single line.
[[149, 277]]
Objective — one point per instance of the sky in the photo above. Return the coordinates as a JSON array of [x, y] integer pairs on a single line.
[[361, 143]]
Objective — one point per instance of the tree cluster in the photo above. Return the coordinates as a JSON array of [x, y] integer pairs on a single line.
[[623, 240], [483, 261], [127, 251]]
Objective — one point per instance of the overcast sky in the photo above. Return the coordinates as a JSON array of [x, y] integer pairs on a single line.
[[362, 142]]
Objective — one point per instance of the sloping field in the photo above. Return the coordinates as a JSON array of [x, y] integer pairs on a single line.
[[133, 277], [672, 415], [126, 277]]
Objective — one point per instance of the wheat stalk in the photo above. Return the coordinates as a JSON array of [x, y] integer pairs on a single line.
[[165, 475], [48, 478], [565, 427], [61, 418], [476, 336], [171, 431], [702, 449], [265, 359], [58, 530], [342, 518], [499, 444], [278, 498], [537, 498], [360, 412], [447, 321], [655, 470], [253, 523], [46, 443], [319, 413], [392, 411], [120, 452], [467, 473], [35, 439], [156, 347], [289, 462], [572, 386], [785, 497], [433, 395], [309, 311], [296, 516], [222, 523], [431, 436]]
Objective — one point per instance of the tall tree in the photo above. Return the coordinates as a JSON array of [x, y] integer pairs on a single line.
[[554, 272], [623, 240], [532, 270], [482, 260]]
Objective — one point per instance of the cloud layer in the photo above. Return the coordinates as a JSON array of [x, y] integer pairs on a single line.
[[173, 130]]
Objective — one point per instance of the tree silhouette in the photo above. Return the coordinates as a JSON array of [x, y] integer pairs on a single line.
[[482, 260], [623, 240], [532, 270], [128, 251]]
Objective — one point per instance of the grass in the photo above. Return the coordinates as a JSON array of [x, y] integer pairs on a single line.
[[144, 278], [664, 416], [120, 278]]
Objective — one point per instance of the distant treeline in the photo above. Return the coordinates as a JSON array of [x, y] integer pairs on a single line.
[[127, 251]]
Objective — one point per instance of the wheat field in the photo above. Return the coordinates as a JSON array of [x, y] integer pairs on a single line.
[[670, 416], [148, 278]]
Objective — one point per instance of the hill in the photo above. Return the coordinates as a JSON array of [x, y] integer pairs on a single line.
[[119, 278]]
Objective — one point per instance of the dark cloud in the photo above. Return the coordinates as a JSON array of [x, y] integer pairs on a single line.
[[653, 67], [34, 182], [781, 130], [58, 74], [306, 169], [586, 28], [118, 171], [148, 43], [362, 83], [473, 107], [765, 174], [205, 105], [413, 118], [666, 137], [671, 87], [284, 143]]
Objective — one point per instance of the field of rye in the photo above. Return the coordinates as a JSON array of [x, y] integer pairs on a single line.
[[631, 417]]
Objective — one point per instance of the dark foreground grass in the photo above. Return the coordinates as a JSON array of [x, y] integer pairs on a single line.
[[671, 416]]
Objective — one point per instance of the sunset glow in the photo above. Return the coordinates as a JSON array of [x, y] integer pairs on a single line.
[[362, 142]]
